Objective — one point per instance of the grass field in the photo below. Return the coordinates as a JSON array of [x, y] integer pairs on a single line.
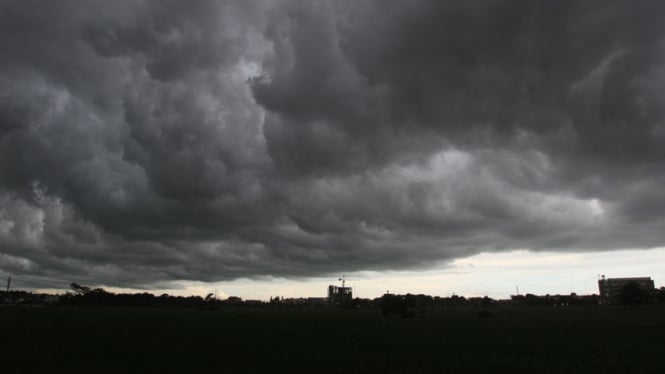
[[512, 339]]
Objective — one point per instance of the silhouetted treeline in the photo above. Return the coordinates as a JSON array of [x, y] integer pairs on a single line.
[[27, 298], [405, 305], [411, 305], [84, 296], [99, 297], [555, 300], [630, 294]]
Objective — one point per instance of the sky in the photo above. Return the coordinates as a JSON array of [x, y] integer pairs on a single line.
[[265, 148]]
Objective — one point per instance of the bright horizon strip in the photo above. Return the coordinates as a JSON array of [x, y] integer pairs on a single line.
[[497, 275]]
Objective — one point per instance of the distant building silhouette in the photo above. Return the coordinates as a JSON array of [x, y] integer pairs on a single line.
[[233, 300], [339, 296], [610, 288]]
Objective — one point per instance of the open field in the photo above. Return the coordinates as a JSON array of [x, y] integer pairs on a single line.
[[512, 339]]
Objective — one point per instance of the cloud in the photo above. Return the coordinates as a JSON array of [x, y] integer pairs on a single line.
[[154, 141]]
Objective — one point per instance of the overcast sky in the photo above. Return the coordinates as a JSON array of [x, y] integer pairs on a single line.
[[145, 144]]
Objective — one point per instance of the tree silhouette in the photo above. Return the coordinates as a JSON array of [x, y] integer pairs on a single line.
[[79, 290]]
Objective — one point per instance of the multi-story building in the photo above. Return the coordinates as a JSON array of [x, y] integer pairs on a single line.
[[339, 296], [610, 288]]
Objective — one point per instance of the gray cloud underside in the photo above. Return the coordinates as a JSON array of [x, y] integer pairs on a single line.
[[148, 141]]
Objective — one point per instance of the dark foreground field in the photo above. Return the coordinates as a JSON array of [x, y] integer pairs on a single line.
[[511, 339]]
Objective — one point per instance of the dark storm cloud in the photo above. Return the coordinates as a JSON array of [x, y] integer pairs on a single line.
[[146, 142]]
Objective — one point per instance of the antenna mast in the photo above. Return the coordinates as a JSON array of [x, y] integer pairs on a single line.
[[9, 282], [343, 280]]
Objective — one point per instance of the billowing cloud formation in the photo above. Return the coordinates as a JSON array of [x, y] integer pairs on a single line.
[[148, 141]]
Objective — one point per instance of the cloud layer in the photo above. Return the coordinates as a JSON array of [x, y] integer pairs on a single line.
[[143, 142]]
